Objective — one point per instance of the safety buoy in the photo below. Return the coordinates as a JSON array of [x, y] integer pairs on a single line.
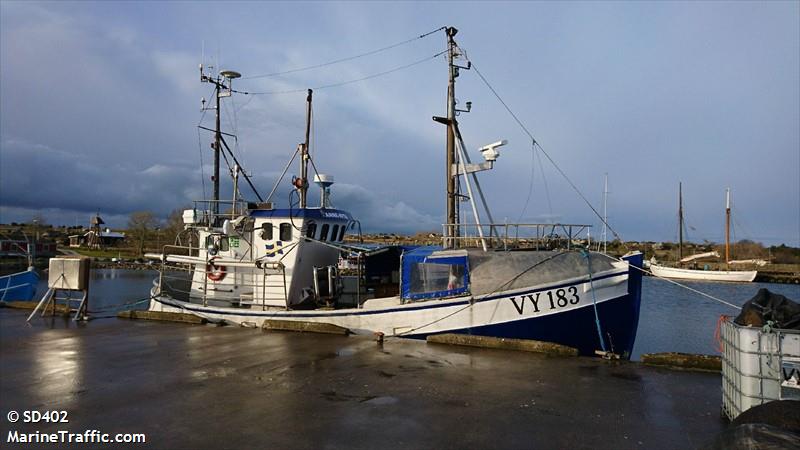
[[213, 271]]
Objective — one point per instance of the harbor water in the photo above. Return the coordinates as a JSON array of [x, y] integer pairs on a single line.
[[673, 319]]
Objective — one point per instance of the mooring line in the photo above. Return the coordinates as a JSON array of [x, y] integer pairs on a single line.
[[641, 269]]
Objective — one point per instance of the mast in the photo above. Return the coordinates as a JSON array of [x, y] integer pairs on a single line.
[[680, 222], [452, 201], [220, 90], [727, 224], [605, 213], [304, 154]]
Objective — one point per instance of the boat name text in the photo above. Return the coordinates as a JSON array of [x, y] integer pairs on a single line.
[[555, 299], [334, 215]]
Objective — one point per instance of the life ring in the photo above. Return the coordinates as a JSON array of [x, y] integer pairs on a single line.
[[215, 272]]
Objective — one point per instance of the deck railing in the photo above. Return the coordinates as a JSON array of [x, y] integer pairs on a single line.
[[508, 236], [228, 209], [178, 280]]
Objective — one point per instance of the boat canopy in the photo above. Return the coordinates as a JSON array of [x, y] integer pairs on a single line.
[[430, 272]]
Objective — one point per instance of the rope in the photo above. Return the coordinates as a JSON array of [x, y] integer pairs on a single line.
[[131, 303], [472, 303], [587, 255], [349, 58], [643, 270], [718, 333]]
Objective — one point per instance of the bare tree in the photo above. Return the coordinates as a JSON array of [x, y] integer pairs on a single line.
[[139, 225], [174, 225]]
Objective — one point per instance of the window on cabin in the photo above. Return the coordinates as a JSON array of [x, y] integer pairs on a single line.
[[334, 232], [311, 229], [266, 231], [220, 242], [323, 235], [341, 232], [286, 231]]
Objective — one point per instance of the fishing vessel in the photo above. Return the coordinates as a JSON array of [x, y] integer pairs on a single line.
[[19, 286], [744, 276], [254, 262]]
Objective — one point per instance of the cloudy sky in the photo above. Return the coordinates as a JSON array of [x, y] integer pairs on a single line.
[[100, 102]]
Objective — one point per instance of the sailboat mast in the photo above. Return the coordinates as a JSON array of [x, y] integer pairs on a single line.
[[680, 221], [727, 224], [304, 154], [451, 229]]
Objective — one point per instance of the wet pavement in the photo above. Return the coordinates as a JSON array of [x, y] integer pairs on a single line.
[[204, 386]]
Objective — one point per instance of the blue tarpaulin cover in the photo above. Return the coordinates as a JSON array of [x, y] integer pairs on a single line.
[[430, 272]]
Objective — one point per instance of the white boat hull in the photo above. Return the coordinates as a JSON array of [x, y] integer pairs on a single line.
[[742, 276], [561, 312]]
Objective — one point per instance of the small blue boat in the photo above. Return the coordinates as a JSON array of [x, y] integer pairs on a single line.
[[20, 286]]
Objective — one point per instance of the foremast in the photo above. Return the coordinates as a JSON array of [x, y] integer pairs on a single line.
[[221, 89]]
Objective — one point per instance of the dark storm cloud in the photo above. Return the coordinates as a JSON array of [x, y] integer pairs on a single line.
[[99, 103], [36, 176]]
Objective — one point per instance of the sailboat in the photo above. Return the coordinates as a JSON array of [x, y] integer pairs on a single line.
[[744, 276], [257, 263]]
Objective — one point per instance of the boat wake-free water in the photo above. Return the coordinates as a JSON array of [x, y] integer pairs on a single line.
[[255, 262], [744, 276]]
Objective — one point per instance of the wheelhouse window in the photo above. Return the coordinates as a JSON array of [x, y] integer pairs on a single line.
[[341, 233], [286, 231], [311, 230], [334, 232], [266, 231], [218, 242], [323, 235]]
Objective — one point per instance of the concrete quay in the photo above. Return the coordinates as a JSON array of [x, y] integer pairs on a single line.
[[204, 386]]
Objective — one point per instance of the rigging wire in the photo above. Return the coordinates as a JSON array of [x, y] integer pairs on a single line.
[[234, 123], [743, 225], [245, 103], [536, 143], [342, 83], [530, 184], [349, 58], [200, 148], [546, 188]]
